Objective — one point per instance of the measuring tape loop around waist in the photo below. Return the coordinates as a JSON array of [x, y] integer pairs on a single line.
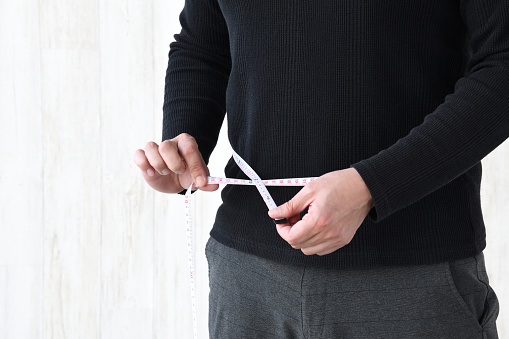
[[254, 180], [270, 182]]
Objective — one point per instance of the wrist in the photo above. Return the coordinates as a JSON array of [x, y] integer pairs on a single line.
[[363, 190]]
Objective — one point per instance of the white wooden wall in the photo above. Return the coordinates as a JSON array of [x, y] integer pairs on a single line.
[[87, 250]]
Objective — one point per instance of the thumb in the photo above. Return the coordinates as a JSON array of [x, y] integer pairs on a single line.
[[292, 207]]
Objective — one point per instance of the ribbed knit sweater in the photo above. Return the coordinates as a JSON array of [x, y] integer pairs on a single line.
[[411, 93]]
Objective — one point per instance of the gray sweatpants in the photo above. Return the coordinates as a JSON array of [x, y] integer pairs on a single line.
[[251, 297]]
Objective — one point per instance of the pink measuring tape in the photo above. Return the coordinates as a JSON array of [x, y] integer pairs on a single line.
[[254, 180]]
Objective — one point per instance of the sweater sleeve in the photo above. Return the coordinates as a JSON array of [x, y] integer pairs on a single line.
[[470, 123], [199, 65]]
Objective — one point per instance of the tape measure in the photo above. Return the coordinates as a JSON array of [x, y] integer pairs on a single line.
[[262, 189]]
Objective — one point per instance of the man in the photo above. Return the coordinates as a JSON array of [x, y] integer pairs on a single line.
[[392, 105]]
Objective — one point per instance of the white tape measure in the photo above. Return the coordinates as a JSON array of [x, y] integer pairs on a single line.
[[260, 185]]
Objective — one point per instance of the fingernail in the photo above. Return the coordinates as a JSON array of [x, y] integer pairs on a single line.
[[165, 171], [150, 172], [179, 172], [200, 181], [275, 212]]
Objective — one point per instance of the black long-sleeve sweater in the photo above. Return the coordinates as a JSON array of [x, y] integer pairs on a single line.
[[411, 93]]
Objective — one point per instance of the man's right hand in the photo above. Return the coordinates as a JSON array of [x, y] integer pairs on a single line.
[[173, 165]]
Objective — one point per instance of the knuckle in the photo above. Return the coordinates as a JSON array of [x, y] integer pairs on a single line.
[[195, 169], [347, 240], [290, 205], [306, 251], [150, 145], [342, 240], [293, 242], [167, 146], [186, 136], [189, 150]]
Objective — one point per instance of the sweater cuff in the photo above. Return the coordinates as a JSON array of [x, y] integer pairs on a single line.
[[381, 209]]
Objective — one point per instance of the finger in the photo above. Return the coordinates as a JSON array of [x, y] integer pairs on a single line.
[[323, 243], [284, 229], [155, 159], [303, 233], [321, 249], [170, 154], [188, 149], [185, 181], [209, 187], [293, 206], [294, 219], [318, 249], [142, 162], [305, 240], [287, 231], [317, 243]]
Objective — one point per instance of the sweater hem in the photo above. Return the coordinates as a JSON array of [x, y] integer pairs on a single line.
[[345, 259]]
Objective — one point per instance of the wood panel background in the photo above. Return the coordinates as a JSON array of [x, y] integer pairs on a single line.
[[87, 250]]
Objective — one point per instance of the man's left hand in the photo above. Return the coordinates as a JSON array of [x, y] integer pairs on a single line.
[[338, 203]]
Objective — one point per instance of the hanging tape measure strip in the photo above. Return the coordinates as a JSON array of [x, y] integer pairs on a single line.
[[254, 180]]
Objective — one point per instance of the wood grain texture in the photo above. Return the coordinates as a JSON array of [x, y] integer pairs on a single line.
[[21, 205], [126, 63], [495, 202], [72, 169], [87, 249]]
